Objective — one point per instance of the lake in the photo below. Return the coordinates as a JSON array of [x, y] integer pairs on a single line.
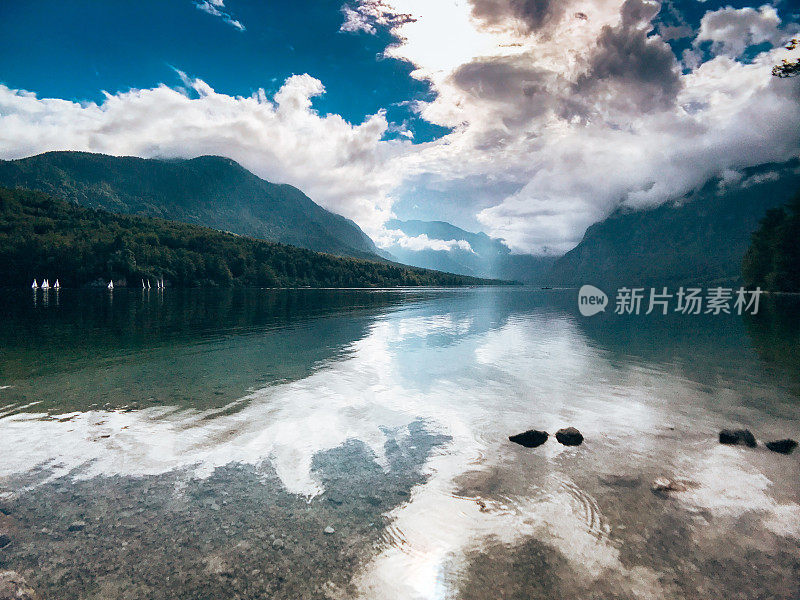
[[354, 444]]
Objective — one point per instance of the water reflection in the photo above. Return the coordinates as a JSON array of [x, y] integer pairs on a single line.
[[775, 335], [195, 349], [385, 417]]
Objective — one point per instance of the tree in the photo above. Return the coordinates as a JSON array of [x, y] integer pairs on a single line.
[[788, 68], [773, 259]]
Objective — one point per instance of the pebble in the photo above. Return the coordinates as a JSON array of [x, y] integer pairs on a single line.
[[14, 587]]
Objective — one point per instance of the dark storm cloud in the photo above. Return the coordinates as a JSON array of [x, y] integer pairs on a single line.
[[504, 79], [535, 14], [640, 70], [519, 91], [627, 70]]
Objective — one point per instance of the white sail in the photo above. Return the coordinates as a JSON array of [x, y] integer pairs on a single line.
[[56, 285], [34, 285], [45, 285], [111, 284]]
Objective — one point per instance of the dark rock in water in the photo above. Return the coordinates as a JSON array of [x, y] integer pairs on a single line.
[[14, 587], [4, 540], [782, 446], [738, 436], [747, 438], [569, 436], [530, 439]]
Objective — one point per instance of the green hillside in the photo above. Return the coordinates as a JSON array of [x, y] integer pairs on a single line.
[[43, 237], [210, 190], [700, 238]]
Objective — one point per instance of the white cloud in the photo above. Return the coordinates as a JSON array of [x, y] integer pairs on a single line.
[[395, 237], [213, 7], [355, 21], [367, 15], [731, 30], [583, 114], [584, 172], [344, 167]]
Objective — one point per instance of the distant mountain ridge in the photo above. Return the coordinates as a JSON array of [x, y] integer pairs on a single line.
[[700, 238], [486, 256], [212, 191]]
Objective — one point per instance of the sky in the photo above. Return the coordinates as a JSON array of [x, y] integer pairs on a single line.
[[527, 119]]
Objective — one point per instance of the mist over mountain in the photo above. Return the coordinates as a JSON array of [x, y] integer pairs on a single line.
[[698, 238], [443, 246], [210, 190]]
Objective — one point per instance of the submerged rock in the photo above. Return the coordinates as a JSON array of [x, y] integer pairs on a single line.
[[664, 485], [737, 436], [329, 530], [569, 436], [14, 587], [530, 439], [782, 446], [4, 540], [625, 481], [76, 526]]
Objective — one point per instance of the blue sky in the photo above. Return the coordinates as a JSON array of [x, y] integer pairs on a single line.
[[76, 49], [528, 120]]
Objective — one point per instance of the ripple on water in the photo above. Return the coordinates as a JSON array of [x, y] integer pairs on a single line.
[[586, 507]]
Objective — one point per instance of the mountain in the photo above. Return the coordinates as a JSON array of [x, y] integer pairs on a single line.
[[477, 254], [699, 238], [209, 190], [41, 237]]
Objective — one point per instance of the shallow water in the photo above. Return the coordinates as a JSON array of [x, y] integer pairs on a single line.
[[198, 445]]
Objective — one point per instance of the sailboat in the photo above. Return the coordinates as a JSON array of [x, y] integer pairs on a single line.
[[111, 285], [34, 285], [56, 285], [148, 284], [45, 285], [143, 285]]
